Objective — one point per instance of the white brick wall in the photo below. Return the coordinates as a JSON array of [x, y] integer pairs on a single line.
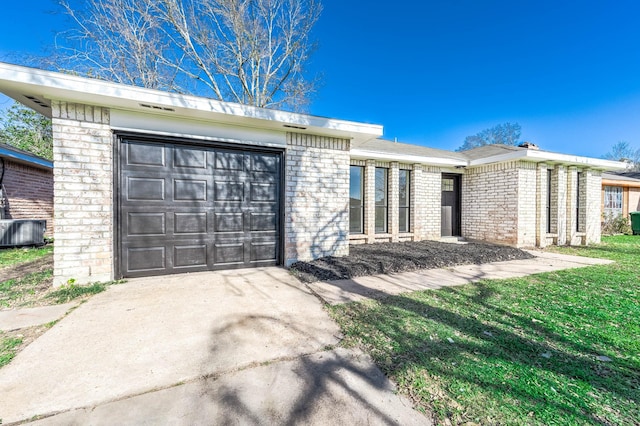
[[490, 203], [593, 186], [83, 199], [316, 197], [527, 202]]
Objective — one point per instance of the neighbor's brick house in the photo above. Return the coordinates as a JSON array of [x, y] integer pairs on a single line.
[[150, 183], [28, 186]]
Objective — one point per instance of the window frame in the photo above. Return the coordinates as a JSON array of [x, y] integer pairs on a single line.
[[613, 195], [381, 207], [404, 210], [360, 207]]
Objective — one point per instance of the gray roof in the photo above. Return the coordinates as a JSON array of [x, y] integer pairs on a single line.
[[388, 147], [625, 176], [489, 151]]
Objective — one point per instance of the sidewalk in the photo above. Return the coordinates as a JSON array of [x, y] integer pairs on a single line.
[[371, 287], [16, 319]]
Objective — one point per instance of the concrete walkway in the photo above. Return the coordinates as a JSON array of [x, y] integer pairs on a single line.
[[234, 347], [16, 319], [344, 291]]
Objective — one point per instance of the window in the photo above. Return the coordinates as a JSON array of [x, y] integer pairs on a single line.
[[612, 201], [405, 200], [578, 201], [356, 200], [448, 184], [382, 198], [549, 201]]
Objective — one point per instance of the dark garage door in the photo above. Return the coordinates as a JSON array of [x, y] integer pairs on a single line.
[[187, 208]]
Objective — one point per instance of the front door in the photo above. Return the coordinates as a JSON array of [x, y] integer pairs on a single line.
[[450, 205]]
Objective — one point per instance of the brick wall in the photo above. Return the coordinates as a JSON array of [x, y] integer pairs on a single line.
[[316, 197], [83, 182], [490, 203], [527, 202], [29, 193]]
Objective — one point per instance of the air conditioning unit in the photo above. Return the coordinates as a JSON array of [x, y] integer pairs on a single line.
[[22, 232]]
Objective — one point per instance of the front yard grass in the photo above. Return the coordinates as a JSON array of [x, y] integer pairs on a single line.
[[554, 348], [10, 257]]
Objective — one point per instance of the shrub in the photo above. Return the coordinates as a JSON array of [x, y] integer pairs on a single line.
[[612, 225]]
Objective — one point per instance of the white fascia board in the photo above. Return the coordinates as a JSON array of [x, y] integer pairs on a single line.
[[157, 124], [25, 158], [552, 157], [405, 158], [17, 81]]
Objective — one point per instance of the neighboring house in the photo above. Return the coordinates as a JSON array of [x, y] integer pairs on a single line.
[[152, 183], [26, 186], [620, 193]]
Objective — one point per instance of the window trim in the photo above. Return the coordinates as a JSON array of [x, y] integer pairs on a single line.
[[404, 210], [362, 201], [385, 205]]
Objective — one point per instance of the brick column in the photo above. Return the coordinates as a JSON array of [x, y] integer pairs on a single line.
[[593, 188], [541, 205], [370, 201], [572, 198], [417, 210], [559, 194], [317, 197], [83, 197], [394, 200]]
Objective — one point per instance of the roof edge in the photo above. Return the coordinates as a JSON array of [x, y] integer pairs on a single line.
[[405, 158], [546, 156], [24, 157]]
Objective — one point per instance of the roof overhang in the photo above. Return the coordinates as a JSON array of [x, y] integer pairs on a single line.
[[36, 89], [364, 154], [551, 158], [24, 158]]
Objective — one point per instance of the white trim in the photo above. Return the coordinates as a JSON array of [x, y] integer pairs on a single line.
[[406, 158], [545, 156], [17, 81]]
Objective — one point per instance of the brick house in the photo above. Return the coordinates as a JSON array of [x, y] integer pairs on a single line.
[[26, 186], [149, 183]]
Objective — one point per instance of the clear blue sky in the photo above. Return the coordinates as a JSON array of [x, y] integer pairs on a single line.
[[433, 72]]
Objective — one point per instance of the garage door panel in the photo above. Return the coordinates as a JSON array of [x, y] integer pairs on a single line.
[[147, 223], [228, 191], [190, 222], [141, 259], [228, 222], [263, 192], [189, 157], [264, 163], [230, 160], [263, 221], [228, 253], [190, 256], [191, 208], [190, 190], [266, 251], [141, 154], [148, 189]]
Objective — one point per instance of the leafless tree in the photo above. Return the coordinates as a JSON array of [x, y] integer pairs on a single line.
[[247, 51]]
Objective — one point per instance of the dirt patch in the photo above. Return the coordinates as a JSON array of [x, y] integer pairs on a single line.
[[383, 258], [18, 271]]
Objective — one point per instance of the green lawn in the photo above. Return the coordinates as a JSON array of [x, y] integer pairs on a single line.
[[10, 257], [518, 351]]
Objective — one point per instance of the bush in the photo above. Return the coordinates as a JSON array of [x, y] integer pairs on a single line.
[[616, 225]]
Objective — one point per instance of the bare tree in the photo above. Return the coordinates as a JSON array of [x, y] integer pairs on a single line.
[[502, 134], [247, 51], [623, 151]]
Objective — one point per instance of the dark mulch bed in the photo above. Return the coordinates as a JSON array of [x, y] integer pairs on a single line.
[[382, 258]]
